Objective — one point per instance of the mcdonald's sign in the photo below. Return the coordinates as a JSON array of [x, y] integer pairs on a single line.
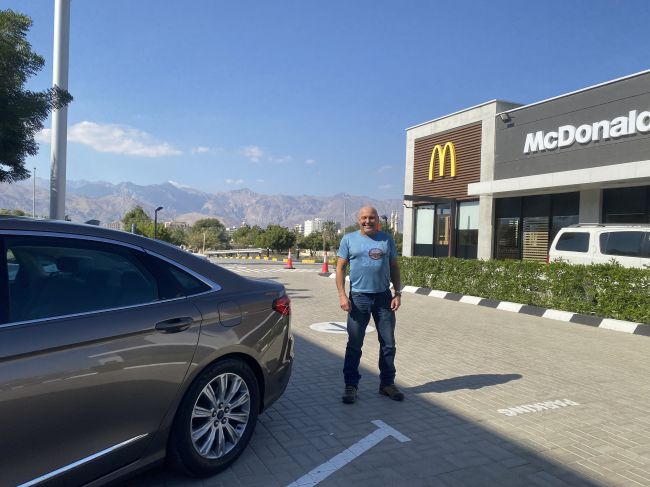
[[440, 152]]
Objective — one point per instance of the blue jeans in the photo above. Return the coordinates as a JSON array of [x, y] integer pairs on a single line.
[[363, 305]]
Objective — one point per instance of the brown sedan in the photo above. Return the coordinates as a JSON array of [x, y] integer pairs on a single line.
[[118, 350]]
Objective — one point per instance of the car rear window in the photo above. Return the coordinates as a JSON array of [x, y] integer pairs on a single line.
[[628, 244], [573, 242]]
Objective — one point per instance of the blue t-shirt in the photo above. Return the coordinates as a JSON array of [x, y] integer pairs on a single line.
[[369, 258]]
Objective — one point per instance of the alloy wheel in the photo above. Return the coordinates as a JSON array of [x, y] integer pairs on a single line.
[[220, 415]]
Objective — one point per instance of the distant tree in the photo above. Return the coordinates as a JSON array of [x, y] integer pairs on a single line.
[[246, 237], [208, 233], [351, 228], [313, 242], [144, 226], [22, 112], [177, 236], [399, 239], [330, 235], [240, 237], [277, 238], [141, 220], [14, 212]]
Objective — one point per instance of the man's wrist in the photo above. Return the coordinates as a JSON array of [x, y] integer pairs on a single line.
[[398, 293]]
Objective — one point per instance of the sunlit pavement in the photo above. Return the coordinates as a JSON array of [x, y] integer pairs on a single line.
[[492, 398]]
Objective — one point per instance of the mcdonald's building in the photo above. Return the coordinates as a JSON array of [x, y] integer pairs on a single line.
[[499, 180]]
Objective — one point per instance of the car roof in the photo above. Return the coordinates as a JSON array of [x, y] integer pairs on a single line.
[[203, 266]]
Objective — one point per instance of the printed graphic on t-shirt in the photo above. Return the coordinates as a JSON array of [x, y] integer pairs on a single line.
[[375, 253]]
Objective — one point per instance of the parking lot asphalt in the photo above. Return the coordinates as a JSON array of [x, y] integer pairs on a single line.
[[492, 399]]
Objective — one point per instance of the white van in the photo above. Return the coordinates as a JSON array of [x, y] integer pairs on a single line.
[[600, 243]]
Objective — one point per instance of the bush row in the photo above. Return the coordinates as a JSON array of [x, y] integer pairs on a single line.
[[605, 290]]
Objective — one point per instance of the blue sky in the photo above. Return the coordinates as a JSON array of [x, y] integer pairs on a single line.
[[305, 97]]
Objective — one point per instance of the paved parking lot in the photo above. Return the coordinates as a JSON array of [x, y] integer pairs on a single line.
[[492, 398]]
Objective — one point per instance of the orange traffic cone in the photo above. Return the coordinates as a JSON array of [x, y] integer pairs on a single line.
[[289, 262], [324, 268]]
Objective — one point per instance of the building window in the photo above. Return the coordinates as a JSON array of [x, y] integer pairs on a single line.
[[424, 225], [626, 205], [507, 238], [467, 229], [443, 224]]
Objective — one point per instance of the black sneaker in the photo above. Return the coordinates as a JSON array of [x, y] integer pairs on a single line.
[[391, 391], [349, 395]]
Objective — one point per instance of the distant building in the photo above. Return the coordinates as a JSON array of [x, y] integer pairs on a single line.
[[394, 221], [175, 224], [299, 229], [113, 225], [315, 225]]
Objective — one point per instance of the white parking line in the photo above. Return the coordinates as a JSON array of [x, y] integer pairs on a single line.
[[323, 471]]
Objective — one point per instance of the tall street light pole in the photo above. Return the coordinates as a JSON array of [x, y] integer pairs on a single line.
[[60, 115], [155, 222], [34, 195]]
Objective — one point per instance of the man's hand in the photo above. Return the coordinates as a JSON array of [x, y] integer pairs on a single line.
[[396, 303], [345, 303]]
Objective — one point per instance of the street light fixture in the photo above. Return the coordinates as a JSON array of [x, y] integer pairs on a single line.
[[155, 222]]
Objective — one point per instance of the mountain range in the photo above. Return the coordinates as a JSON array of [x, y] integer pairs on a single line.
[[109, 202]]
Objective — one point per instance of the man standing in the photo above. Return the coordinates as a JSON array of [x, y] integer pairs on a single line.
[[373, 266]]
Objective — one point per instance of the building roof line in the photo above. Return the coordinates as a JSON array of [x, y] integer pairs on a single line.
[[461, 111], [640, 73]]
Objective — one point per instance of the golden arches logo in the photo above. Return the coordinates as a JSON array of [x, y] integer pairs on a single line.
[[441, 152]]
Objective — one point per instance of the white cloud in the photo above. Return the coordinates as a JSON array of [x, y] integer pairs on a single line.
[[384, 168], [280, 160], [386, 186], [201, 149], [116, 139], [44, 136], [253, 153], [310, 162], [234, 181]]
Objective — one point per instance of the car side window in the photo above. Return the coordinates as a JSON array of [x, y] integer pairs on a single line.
[[51, 277], [190, 284], [628, 244], [573, 242]]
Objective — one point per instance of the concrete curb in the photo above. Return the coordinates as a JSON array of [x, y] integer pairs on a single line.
[[553, 314]]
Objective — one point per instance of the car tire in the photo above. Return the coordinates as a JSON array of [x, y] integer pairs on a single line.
[[215, 420]]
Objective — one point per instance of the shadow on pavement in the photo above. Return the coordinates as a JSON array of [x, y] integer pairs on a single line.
[[309, 426], [476, 381]]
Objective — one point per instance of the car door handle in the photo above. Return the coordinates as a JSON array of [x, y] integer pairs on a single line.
[[174, 325]]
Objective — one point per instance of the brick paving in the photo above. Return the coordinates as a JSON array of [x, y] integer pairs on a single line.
[[459, 365]]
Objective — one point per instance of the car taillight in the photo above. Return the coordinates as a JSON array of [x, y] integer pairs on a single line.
[[548, 259], [282, 305]]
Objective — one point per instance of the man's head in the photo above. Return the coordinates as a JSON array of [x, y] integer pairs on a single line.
[[368, 218]]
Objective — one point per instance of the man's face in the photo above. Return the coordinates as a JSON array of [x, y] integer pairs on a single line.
[[368, 221]]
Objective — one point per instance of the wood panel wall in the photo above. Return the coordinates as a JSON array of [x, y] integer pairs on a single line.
[[467, 141]]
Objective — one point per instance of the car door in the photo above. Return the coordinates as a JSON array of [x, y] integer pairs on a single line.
[[92, 353]]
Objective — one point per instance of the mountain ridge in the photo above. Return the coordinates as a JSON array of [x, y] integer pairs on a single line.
[[108, 202]]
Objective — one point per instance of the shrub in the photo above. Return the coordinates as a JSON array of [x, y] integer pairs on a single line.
[[606, 290]]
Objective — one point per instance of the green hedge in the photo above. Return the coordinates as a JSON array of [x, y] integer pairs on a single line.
[[606, 290]]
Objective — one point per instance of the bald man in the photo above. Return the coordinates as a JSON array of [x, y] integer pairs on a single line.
[[372, 257]]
